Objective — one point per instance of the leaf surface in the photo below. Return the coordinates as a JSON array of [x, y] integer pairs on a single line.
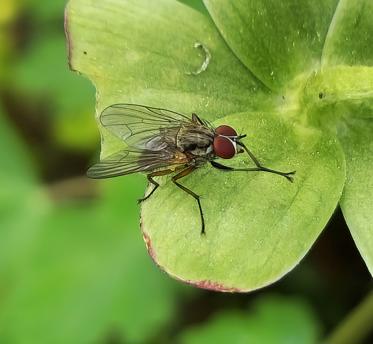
[[276, 40], [258, 225]]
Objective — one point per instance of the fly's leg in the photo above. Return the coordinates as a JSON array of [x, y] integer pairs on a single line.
[[287, 175], [182, 174], [152, 181]]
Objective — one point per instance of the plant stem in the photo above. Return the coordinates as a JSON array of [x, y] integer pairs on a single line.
[[356, 326]]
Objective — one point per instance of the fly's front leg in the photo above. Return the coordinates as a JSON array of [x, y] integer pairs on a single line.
[[152, 181], [287, 175], [182, 174]]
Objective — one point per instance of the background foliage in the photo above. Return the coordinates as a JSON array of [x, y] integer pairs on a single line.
[[73, 267]]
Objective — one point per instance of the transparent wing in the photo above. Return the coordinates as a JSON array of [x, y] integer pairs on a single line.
[[142, 126], [131, 161]]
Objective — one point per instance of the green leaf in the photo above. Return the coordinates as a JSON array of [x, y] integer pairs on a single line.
[[347, 99], [88, 277], [343, 95], [272, 319], [258, 225], [276, 40], [337, 92], [196, 4], [357, 201], [350, 42], [146, 56], [350, 38]]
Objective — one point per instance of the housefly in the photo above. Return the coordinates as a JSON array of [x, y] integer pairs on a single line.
[[162, 142]]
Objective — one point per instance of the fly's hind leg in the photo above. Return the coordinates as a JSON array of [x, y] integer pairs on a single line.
[[152, 181], [182, 174]]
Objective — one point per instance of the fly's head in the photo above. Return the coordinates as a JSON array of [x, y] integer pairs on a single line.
[[227, 142]]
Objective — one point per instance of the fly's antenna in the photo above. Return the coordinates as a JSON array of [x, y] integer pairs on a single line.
[[239, 137]]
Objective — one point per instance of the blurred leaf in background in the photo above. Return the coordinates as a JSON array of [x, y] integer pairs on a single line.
[[22, 202], [48, 11], [43, 73], [39, 72], [270, 320], [74, 273]]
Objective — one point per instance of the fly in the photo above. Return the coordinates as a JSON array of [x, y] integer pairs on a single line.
[[162, 142]]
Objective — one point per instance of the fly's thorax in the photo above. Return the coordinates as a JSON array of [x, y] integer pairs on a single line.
[[197, 140]]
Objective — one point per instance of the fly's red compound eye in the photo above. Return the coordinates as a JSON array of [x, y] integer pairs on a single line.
[[225, 130], [224, 147]]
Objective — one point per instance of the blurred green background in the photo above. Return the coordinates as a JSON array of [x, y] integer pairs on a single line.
[[73, 265]]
